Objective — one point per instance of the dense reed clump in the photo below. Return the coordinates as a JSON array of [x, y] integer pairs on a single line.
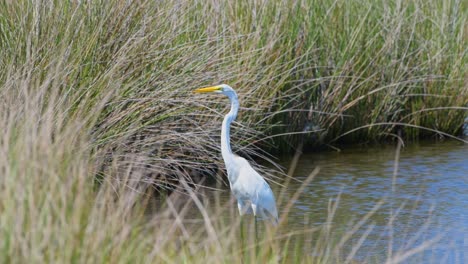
[[96, 109]]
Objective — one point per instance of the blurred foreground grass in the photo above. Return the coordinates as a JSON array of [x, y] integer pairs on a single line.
[[96, 110]]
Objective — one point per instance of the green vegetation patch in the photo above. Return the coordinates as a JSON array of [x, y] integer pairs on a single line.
[[104, 88]]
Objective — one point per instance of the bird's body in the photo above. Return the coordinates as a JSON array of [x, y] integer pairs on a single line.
[[252, 192]]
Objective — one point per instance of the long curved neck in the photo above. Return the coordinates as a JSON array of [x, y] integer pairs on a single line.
[[225, 133]]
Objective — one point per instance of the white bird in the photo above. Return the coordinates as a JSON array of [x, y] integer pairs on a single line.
[[252, 192]]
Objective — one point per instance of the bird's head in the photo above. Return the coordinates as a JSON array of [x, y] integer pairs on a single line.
[[222, 88]]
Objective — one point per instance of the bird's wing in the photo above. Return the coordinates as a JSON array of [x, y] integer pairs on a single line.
[[250, 186], [267, 205]]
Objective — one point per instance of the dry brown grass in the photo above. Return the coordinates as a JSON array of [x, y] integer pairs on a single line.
[[96, 110]]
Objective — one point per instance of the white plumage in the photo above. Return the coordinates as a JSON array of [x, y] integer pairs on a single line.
[[252, 192]]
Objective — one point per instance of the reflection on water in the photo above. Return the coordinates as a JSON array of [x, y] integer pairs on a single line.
[[430, 195], [427, 198]]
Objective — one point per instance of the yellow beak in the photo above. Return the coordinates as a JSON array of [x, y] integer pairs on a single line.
[[208, 89]]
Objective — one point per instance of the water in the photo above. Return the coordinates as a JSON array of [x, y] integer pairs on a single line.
[[426, 199]]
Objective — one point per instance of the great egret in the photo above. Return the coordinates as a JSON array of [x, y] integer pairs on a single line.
[[252, 192]]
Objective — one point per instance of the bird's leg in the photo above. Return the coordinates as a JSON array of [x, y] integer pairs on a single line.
[[254, 209], [256, 237], [256, 230], [240, 206], [241, 233]]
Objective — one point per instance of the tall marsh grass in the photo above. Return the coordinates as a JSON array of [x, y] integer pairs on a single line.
[[96, 110]]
